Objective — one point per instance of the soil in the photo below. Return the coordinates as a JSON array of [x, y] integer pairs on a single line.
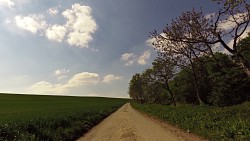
[[127, 124]]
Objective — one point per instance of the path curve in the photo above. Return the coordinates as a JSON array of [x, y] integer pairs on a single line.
[[127, 124]]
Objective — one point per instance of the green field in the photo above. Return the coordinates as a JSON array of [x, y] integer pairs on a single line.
[[214, 123], [33, 117]]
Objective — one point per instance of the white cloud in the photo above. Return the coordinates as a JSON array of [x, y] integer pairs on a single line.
[[56, 33], [127, 56], [7, 3], [81, 25], [44, 87], [142, 60], [84, 78], [22, 1], [150, 41], [131, 58], [231, 42], [110, 78], [52, 11], [79, 39], [31, 23], [61, 73], [229, 23], [80, 79], [78, 29]]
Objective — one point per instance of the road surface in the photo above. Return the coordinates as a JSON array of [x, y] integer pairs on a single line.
[[127, 124]]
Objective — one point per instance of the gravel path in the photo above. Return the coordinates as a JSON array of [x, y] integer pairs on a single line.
[[127, 124]]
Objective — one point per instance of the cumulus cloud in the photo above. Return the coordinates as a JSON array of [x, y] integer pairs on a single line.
[[53, 11], [127, 56], [142, 60], [131, 58], [56, 33], [230, 23], [7, 3], [84, 78], [44, 87], [110, 78], [32, 23], [78, 80], [61, 73], [150, 41], [81, 25], [77, 31]]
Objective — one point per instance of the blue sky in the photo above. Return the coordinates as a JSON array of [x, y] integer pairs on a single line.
[[80, 47]]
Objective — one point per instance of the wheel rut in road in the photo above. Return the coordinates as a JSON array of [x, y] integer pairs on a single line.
[[127, 124]]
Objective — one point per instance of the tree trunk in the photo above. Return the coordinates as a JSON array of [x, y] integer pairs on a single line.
[[140, 91], [244, 65], [172, 96], [196, 84], [171, 93]]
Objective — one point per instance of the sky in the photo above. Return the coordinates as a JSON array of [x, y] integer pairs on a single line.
[[81, 47]]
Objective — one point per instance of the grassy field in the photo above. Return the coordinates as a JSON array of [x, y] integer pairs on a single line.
[[30, 117], [214, 123]]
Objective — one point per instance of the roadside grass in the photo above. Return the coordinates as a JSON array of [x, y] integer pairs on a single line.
[[51, 118], [214, 123]]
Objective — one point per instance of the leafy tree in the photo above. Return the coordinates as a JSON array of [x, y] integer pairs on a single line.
[[180, 55], [202, 32], [244, 48], [135, 88], [229, 83], [163, 71]]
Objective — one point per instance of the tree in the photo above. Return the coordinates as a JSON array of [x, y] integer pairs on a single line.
[[229, 83], [179, 54], [244, 47], [163, 71], [135, 88], [205, 31]]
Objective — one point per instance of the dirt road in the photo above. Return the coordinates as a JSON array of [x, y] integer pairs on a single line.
[[127, 124]]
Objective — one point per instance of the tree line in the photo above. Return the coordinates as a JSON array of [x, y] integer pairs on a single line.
[[190, 68]]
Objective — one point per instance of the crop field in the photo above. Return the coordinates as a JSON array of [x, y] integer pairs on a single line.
[[214, 123], [33, 117]]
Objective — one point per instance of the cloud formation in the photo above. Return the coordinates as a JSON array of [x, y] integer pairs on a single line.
[[110, 78], [232, 21], [32, 23], [44, 87], [84, 78], [56, 33], [81, 25], [61, 73], [142, 60], [131, 58], [77, 31], [52, 11], [7, 3], [78, 80]]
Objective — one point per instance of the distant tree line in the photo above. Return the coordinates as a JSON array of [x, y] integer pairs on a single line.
[[189, 69]]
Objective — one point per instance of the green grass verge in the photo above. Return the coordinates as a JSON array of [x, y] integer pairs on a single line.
[[213, 123], [51, 118]]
